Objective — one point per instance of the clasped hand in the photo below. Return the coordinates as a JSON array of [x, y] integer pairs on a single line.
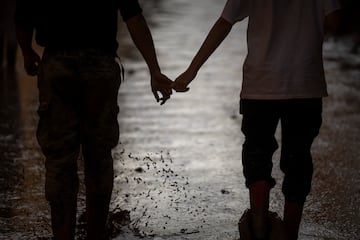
[[182, 81], [161, 83]]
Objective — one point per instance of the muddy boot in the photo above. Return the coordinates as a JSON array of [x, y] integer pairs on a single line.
[[63, 220], [292, 218]]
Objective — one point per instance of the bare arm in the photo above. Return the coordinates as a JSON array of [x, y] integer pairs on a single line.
[[141, 36], [213, 40]]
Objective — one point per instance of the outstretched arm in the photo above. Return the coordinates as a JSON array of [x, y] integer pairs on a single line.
[[141, 36], [215, 37]]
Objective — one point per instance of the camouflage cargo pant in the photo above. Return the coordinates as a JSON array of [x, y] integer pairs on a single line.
[[78, 110]]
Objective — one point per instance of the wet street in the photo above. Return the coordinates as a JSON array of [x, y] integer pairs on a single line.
[[178, 172]]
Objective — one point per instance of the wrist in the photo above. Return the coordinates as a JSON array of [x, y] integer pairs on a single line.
[[155, 72], [192, 71]]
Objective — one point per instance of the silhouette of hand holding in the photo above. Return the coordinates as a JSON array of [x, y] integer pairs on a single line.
[[161, 83], [182, 81]]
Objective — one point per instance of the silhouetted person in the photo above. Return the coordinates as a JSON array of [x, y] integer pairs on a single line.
[[78, 81], [8, 44], [283, 81]]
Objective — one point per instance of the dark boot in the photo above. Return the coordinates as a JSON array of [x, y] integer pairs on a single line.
[[292, 218]]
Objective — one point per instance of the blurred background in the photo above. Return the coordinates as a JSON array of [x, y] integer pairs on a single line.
[[178, 166]]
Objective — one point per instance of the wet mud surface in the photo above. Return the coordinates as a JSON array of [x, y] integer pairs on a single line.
[[178, 172]]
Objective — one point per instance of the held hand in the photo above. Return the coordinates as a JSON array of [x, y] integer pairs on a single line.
[[181, 82], [31, 62], [161, 83]]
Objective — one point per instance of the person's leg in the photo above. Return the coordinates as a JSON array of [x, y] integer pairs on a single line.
[[259, 124], [101, 76], [58, 137], [259, 204], [300, 123], [292, 218]]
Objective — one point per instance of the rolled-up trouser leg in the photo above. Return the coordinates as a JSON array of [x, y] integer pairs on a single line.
[[300, 124], [258, 125]]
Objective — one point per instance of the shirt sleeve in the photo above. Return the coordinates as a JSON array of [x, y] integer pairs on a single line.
[[24, 16], [236, 10], [331, 6], [129, 9]]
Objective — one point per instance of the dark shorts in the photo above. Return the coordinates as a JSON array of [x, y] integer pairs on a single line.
[[78, 107], [300, 123]]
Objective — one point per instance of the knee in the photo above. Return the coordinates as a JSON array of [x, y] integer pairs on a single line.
[[257, 160], [99, 173], [61, 177]]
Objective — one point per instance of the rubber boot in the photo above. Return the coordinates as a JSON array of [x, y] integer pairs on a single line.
[[292, 218], [259, 205], [63, 219]]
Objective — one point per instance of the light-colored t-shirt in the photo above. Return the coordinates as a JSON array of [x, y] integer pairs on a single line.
[[284, 39]]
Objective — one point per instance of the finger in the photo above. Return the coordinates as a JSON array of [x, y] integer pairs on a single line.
[[156, 95], [164, 99], [182, 90], [169, 91], [175, 87]]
